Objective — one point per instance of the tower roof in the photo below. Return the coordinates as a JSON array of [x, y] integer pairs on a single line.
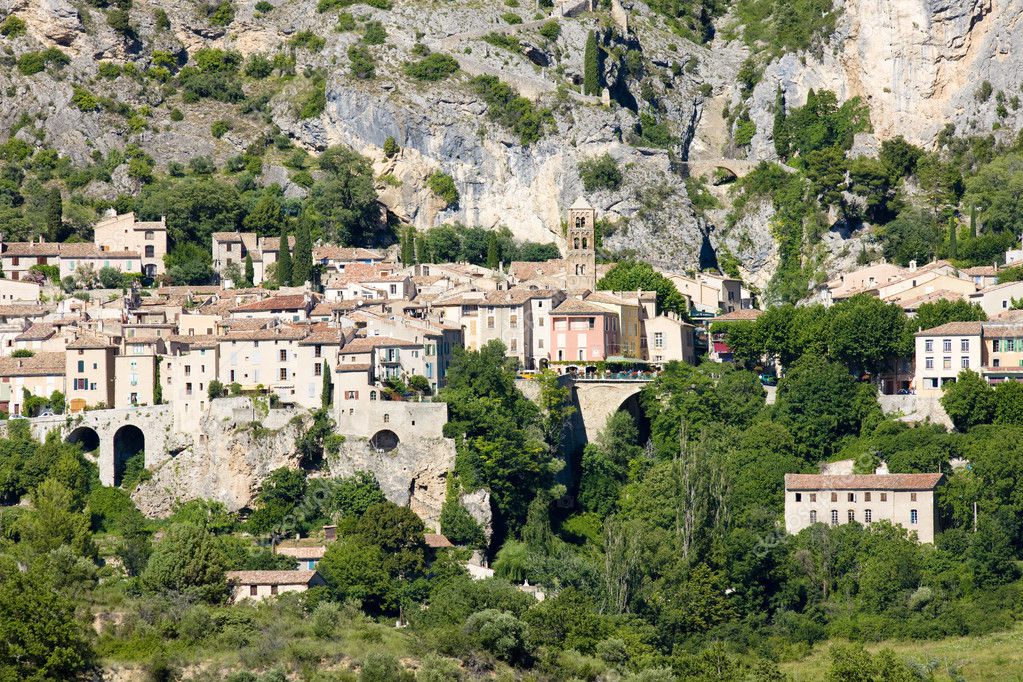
[[580, 203]]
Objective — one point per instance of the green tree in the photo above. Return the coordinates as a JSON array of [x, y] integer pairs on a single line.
[[607, 462], [782, 141], [188, 560], [493, 251], [267, 216], [302, 261], [327, 390], [816, 403], [630, 275], [56, 519], [455, 521], [189, 263], [600, 172], [283, 272], [250, 271], [937, 313], [195, 208], [969, 401], [345, 201], [865, 332], [278, 496], [591, 66], [40, 636], [354, 569], [1009, 403], [54, 215]]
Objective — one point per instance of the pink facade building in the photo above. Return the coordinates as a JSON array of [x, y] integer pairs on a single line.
[[583, 332]]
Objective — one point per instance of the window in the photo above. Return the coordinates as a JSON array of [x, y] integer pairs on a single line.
[[387, 418], [150, 251], [964, 346], [514, 321], [514, 345], [273, 589], [799, 497], [81, 365], [813, 497], [964, 362], [929, 363], [946, 345], [539, 343], [946, 363], [1009, 345], [913, 516], [929, 345], [253, 590], [317, 351], [317, 370], [912, 497], [884, 497], [188, 389], [351, 395], [852, 516], [490, 323], [582, 354], [592, 323], [283, 355], [851, 497], [813, 516], [372, 395], [149, 235], [866, 497], [834, 498], [284, 374], [81, 384], [232, 376], [834, 517], [867, 515], [994, 346], [188, 370], [658, 339]]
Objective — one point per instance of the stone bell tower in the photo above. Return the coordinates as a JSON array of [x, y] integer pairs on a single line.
[[580, 256]]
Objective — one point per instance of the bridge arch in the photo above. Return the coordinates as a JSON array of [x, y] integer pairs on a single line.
[[385, 440], [129, 440], [634, 408], [598, 400], [85, 436]]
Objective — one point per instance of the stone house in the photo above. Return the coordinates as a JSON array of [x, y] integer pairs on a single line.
[[40, 375], [943, 352], [19, 292], [286, 308], [669, 338], [124, 233], [260, 585], [906, 500], [583, 332], [89, 370], [14, 321], [306, 556]]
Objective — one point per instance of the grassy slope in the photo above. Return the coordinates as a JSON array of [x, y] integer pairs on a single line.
[[998, 656]]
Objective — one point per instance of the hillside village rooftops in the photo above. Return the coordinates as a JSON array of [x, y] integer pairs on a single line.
[[302, 552], [344, 253], [22, 311], [323, 337], [276, 334], [862, 481], [354, 367], [364, 344], [953, 329], [741, 315], [981, 271], [524, 270], [90, 340], [39, 331], [198, 341], [40, 364], [1010, 330]]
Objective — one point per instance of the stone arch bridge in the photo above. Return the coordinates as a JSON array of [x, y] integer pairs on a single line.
[[595, 400], [114, 435]]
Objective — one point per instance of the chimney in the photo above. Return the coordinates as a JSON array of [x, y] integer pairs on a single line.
[[912, 266]]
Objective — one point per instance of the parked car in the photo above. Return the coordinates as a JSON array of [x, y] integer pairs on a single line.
[[768, 380]]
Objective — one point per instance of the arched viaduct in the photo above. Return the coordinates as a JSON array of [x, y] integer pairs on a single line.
[[595, 400]]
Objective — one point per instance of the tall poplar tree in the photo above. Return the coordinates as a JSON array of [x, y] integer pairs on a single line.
[[302, 259], [284, 261]]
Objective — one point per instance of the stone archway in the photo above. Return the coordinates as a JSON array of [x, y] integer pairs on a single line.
[[128, 442], [86, 437], [632, 406], [385, 440]]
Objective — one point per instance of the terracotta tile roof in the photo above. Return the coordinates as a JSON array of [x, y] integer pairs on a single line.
[[40, 364], [1004, 330], [22, 311], [290, 302], [353, 367], [862, 481], [186, 289], [277, 334], [364, 344], [607, 297], [39, 331], [88, 339], [345, 253], [514, 296], [995, 287], [917, 301], [198, 341], [436, 540], [522, 270], [245, 324], [270, 577], [31, 249], [300, 552], [953, 329], [274, 243], [324, 337], [92, 251], [573, 306], [742, 315], [981, 271]]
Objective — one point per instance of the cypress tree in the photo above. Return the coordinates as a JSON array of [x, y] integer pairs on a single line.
[[591, 66], [302, 259], [953, 246], [422, 248], [493, 254], [973, 220], [408, 247], [250, 271], [284, 261], [327, 397], [54, 214], [782, 141]]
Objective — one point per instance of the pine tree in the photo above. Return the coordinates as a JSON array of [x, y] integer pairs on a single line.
[[54, 214], [782, 136], [250, 271], [591, 66], [284, 261], [327, 397], [302, 259]]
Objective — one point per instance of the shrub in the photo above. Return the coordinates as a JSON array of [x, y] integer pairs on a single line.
[[315, 101], [511, 18], [119, 20], [509, 109], [504, 41], [109, 70], [161, 19], [601, 172], [263, 7], [345, 22], [176, 115], [219, 128], [374, 33], [83, 99], [443, 185], [12, 27], [551, 30], [983, 93], [221, 14], [33, 62], [307, 40], [434, 67], [361, 62], [258, 66]]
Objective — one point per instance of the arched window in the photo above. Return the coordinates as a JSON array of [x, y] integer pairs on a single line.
[[576, 243], [372, 395], [584, 242], [387, 418], [580, 222]]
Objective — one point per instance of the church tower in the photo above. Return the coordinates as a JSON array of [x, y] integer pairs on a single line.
[[580, 255]]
